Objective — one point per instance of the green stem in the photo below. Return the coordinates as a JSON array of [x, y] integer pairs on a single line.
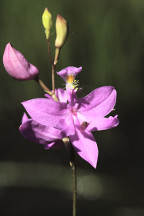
[[43, 86], [53, 78], [53, 67], [70, 151], [49, 52], [73, 167]]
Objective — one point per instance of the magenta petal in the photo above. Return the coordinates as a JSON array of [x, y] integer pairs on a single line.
[[24, 118], [38, 133], [69, 71], [102, 123], [98, 103], [17, 66], [46, 111], [67, 125], [62, 95], [85, 145], [96, 97]]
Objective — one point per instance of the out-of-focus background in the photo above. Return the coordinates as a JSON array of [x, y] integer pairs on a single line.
[[106, 38]]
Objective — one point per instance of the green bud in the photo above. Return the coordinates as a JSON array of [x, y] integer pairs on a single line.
[[61, 31], [47, 22]]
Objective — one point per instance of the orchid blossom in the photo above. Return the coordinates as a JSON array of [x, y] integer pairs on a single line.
[[70, 117]]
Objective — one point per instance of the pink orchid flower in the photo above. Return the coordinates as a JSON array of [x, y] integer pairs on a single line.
[[17, 66], [72, 117]]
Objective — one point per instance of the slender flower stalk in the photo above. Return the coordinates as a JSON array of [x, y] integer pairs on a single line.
[[43, 86], [71, 154], [53, 78], [49, 52], [74, 176], [53, 66]]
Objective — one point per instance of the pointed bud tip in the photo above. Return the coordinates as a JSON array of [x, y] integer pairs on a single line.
[[60, 17]]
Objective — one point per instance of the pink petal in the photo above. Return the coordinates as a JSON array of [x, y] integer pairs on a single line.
[[69, 71], [66, 96], [95, 98], [45, 111], [51, 113], [85, 145], [97, 124], [38, 133], [98, 103], [17, 66], [67, 125], [61, 95]]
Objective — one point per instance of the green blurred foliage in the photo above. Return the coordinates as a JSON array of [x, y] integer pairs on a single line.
[[106, 38]]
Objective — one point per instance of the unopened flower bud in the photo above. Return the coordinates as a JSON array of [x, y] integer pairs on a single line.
[[47, 22], [61, 31], [17, 66]]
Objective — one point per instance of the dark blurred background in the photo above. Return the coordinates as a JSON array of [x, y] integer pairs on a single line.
[[106, 38]]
